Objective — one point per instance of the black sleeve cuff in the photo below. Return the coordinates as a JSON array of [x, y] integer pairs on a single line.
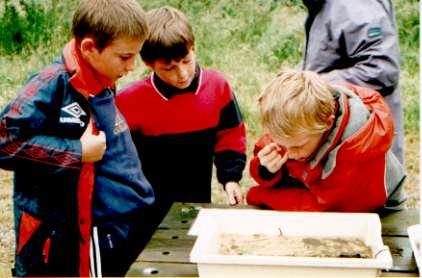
[[265, 174], [230, 165]]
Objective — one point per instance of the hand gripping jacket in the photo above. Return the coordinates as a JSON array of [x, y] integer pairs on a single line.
[[353, 171], [55, 199]]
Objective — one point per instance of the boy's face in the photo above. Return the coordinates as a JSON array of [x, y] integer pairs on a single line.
[[178, 74], [300, 147], [116, 59]]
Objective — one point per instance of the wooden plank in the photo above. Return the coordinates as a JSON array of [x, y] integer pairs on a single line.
[[403, 260], [166, 246], [147, 269], [173, 234], [396, 223], [182, 215]]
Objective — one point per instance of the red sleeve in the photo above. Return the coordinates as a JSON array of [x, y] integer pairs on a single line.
[[285, 199], [231, 133]]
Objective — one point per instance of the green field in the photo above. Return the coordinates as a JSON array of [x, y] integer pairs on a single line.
[[248, 41]]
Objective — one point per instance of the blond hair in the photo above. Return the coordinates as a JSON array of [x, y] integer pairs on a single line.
[[170, 38], [296, 103], [107, 20]]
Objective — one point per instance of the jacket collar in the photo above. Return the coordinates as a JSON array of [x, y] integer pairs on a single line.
[[83, 77], [167, 91], [334, 136], [351, 117]]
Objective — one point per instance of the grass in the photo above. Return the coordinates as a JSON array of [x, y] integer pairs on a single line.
[[248, 41]]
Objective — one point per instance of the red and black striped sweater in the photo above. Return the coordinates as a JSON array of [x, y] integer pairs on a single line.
[[178, 134]]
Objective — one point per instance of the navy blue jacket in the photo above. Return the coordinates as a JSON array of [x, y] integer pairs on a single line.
[[57, 198]]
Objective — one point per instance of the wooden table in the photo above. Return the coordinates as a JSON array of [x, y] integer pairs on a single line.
[[167, 253]]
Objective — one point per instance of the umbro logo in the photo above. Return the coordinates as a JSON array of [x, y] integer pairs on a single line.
[[75, 111]]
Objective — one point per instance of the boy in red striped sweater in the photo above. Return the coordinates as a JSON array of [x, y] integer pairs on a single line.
[[182, 118]]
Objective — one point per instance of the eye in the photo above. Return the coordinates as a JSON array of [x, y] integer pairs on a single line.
[[125, 58], [298, 147]]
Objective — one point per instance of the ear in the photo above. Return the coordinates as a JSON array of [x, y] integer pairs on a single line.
[[149, 65], [330, 121], [88, 47]]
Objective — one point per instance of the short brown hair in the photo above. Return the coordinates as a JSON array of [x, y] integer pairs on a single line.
[[170, 38], [107, 20], [295, 103]]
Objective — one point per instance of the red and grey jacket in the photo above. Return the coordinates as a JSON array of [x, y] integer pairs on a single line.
[[357, 42], [354, 170], [180, 133], [56, 196]]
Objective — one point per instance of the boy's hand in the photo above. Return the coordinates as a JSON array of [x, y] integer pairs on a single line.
[[234, 193], [270, 157], [93, 146]]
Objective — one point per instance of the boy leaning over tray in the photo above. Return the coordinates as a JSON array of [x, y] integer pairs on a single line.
[[326, 148]]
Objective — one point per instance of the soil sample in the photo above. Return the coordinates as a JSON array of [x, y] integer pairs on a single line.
[[279, 245]]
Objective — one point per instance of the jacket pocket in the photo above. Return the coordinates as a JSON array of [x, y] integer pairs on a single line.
[[27, 227], [29, 260]]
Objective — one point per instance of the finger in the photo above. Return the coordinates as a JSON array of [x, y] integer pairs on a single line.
[[285, 157], [276, 147], [266, 150], [101, 135], [235, 197], [279, 163], [269, 157], [239, 197], [102, 140], [273, 157], [231, 197], [88, 129], [275, 164]]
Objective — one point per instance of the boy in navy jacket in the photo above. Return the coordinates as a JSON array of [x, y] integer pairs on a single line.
[[77, 178]]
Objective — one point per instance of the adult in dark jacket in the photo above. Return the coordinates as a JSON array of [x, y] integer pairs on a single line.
[[356, 42]]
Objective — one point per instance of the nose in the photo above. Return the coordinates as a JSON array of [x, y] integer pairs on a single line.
[[291, 154], [182, 73], [131, 64]]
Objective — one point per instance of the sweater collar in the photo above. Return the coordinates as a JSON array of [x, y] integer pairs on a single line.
[[83, 77], [168, 91]]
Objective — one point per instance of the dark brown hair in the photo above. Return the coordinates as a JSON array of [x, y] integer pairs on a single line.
[[170, 38]]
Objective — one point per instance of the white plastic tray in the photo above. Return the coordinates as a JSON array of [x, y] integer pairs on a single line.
[[212, 222], [415, 237]]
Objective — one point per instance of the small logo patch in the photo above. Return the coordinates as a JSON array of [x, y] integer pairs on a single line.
[[75, 111], [120, 124], [374, 32]]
